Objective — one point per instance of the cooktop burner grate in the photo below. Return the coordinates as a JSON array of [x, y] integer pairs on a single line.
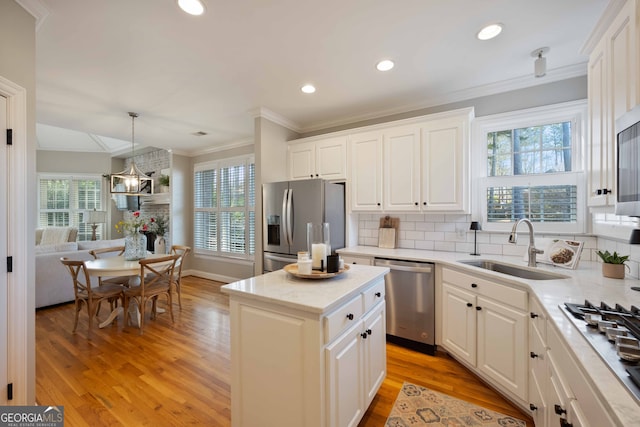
[[628, 372]]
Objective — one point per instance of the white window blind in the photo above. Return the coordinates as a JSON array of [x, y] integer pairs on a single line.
[[224, 206], [64, 199]]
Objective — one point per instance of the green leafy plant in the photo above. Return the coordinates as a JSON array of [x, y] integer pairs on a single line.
[[164, 180], [612, 258]]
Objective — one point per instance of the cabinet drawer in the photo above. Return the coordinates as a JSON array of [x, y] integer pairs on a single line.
[[537, 355], [503, 293], [344, 317], [373, 295], [538, 319], [354, 259]]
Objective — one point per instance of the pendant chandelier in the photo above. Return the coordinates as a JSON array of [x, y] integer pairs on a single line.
[[131, 181]]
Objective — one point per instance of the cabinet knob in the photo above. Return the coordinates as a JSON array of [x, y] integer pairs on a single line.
[[424, 203], [364, 335], [378, 294], [469, 304], [368, 331], [533, 407], [533, 355], [606, 191], [478, 308], [599, 191], [311, 176], [473, 285], [565, 423], [350, 316], [559, 410], [416, 203], [533, 315], [378, 204]]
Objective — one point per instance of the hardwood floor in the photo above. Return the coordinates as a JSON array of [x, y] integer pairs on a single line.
[[179, 374]]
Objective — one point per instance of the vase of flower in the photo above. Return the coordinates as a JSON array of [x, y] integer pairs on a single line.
[[135, 246], [160, 245]]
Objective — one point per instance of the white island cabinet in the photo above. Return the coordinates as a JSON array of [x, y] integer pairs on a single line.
[[306, 353]]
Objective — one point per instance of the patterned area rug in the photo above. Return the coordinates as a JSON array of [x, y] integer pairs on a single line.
[[419, 406]]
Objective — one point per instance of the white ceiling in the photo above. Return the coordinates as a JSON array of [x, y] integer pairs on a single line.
[[96, 60]]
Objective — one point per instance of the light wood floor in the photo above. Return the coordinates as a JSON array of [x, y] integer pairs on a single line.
[[179, 374]]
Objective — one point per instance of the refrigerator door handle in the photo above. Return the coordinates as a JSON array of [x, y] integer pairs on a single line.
[[285, 221], [289, 219]]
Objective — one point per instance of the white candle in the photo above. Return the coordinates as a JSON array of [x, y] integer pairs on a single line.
[[318, 254]]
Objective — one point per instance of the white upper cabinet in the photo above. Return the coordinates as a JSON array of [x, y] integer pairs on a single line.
[[325, 158], [365, 174], [424, 166], [402, 169], [613, 90], [445, 180]]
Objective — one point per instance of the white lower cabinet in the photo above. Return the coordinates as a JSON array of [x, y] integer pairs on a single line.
[[354, 259], [356, 367], [538, 365], [485, 326], [571, 399], [293, 368]]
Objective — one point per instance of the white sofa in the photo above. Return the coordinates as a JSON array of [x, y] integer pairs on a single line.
[[53, 281]]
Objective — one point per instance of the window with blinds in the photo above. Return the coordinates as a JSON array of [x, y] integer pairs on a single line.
[[64, 199], [530, 168], [224, 207]]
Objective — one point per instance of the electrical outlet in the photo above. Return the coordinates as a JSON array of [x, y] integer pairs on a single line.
[[460, 232]]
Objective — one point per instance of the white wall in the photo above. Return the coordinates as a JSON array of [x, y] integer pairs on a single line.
[[17, 50]]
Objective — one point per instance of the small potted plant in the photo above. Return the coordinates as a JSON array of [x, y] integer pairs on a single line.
[[164, 183], [613, 264]]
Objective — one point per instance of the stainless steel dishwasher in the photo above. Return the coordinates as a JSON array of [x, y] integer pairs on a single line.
[[410, 299]]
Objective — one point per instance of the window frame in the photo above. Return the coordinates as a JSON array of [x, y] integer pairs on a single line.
[[84, 229], [574, 112], [247, 209]]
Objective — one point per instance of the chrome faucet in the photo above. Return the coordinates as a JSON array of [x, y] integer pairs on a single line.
[[531, 250]]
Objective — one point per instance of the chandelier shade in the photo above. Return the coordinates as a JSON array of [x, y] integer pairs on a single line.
[[131, 181]]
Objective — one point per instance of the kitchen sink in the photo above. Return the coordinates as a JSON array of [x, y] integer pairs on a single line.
[[514, 270]]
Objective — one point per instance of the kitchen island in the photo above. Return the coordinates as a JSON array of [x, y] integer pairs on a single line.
[[306, 352], [564, 359]]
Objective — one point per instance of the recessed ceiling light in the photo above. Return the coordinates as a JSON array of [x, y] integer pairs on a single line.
[[192, 7], [490, 31], [385, 65], [308, 88]]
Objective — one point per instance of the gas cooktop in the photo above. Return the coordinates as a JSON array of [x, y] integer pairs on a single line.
[[614, 332]]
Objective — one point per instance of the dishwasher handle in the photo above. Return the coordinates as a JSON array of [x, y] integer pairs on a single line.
[[398, 267]]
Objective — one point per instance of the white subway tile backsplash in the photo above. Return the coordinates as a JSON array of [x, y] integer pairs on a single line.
[[445, 246], [424, 245], [451, 233]]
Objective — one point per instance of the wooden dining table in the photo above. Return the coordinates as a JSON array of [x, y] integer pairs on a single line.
[[117, 266]]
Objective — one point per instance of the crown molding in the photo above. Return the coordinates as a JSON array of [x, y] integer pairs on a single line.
[[218, 148], [611, 11], [522, 82], [37, 9], [276, 118]]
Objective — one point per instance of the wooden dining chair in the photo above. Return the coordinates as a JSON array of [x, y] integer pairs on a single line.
[[183, 251], [106, 252], [88, 295], [156, 277]]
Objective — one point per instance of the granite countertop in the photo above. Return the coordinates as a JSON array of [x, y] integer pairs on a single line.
[[585, 282], [311, 295]]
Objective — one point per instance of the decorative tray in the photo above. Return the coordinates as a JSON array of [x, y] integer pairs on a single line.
[[315, 274]]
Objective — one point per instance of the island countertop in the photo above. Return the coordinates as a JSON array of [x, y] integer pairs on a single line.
[[310, 295]]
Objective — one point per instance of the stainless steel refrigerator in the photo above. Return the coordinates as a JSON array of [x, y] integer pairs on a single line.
[[287, 208]]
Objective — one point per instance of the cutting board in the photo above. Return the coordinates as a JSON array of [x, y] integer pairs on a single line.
[[388, 232]]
